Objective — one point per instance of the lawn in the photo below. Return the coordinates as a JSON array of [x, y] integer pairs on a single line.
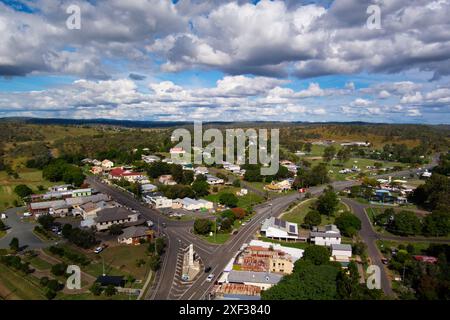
[[298, 214], [39, 263], [419, 247], [246, 201], [22, 287], [30, 177], [219, 238], [124, 258]]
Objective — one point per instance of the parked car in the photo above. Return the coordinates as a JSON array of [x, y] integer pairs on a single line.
[[4, 216], [385, 261], [210, 277], [98, 250], [207, 269], [27, 214]]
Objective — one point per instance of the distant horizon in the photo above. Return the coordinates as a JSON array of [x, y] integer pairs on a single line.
[[52, 119]]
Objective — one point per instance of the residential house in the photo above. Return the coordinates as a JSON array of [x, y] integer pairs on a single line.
[[150, 159], [327, 236], [134, 235], [148, 187], [201, 170], [110, 216], [167, 179], [107, 164], [341, 253], [213, 180], [130, 176], [96, 170], [275, 228]]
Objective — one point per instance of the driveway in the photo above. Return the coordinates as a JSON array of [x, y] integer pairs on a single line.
[[20, 230]]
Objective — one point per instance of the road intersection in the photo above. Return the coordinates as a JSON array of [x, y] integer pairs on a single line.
[[178, 236]]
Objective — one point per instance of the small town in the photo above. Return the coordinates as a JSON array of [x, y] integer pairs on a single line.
[[225, 159]]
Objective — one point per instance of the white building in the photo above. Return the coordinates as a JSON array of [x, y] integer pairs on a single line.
[[341, 252], [275, 228], [159, 202], [107, 164], [150, 159], [213, 180], [201, 170], [330, 235], [192, 204], [148, 187]]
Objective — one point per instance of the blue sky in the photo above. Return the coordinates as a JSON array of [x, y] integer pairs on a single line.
[[226, 60]]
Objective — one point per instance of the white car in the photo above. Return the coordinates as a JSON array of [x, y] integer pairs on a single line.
[[210, 277], [3, 216], [27, 214], [98, 250]]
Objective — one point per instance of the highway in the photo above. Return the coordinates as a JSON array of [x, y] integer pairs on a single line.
[[178, 235]]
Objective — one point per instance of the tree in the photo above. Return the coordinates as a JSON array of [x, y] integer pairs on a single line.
[[343, 155], [406, 223], [237, 183], [154, 262], [307, 282], [317, 255], [307, 147], [312, 218], [110, 290], [348, 224], [329, 153], [46, 221], [14, 244], [115, 229], [228, 199], [59, 269], [239, 213], [328, 202], [437, 224], [202, 226], [201, 188], [50, 294], [23, 190], [96, 289], [2, 226]]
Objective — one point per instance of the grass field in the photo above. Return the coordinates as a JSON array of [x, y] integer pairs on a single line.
[[39, 263], [31, 177], [219, 238], [298, 214], [21, 287], [248, 200], [124, 259]]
